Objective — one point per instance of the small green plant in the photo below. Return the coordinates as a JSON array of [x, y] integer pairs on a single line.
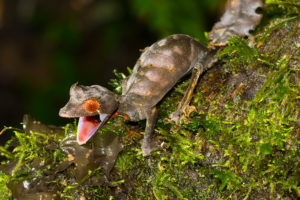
[[183, 148], [238, 53], [161, 184], [5, 192], [116, 83], [228, 179], [126, 161]]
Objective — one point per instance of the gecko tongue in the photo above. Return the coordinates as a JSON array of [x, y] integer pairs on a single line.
[[88, 126]]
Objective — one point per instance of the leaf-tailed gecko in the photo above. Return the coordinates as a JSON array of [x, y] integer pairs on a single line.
[[157, 70]]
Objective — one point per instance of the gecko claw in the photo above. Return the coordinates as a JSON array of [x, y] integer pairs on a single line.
[[182, 114]]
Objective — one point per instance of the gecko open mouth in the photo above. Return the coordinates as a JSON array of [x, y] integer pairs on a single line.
[[88, 126]]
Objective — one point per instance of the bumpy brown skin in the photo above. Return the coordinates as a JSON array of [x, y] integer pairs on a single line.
[[157, 70]]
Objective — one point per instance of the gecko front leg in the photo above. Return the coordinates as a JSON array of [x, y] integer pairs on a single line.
[[147, 145], [205, 63], [181, 109]]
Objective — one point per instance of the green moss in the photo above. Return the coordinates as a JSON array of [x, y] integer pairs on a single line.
[[126, 161], [32, 148], [5, 192], [116, 83], [163, 186], [183, 148], [289, 7], [238, 53], [255, 138]]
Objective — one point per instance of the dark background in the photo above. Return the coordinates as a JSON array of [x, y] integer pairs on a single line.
[[45, 46]]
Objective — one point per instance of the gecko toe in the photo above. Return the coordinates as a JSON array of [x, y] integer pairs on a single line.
[[182, 114], [175, 117]]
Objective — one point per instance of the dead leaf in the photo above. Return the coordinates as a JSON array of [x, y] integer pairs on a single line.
[[239, 18]]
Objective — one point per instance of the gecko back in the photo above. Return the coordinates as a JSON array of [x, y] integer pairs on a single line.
[[157, 70]]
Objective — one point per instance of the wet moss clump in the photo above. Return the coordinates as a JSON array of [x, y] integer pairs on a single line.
[[240, 139]]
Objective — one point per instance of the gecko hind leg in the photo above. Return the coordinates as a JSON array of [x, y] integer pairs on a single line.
[[148, 145], [184, 104]]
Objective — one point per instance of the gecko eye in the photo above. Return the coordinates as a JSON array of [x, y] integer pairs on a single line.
[[91, 105]]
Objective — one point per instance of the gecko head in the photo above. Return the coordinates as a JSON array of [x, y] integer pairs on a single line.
[[94, 105]]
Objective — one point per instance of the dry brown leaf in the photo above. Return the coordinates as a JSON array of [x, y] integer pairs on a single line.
[[239, 18]]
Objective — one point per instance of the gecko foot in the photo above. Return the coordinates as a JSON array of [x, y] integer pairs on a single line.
[[148, 147], [175, 116], [182, 114]]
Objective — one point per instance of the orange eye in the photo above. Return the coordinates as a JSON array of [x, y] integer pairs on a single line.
[[91, 105]]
